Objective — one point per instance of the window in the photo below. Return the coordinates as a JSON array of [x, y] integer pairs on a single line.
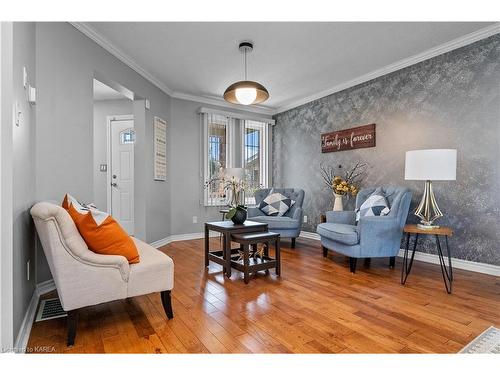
[[217, 153], [127, 137], [255, 159], [230, 142]]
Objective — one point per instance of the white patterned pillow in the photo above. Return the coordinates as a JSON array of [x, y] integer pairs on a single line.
[[375, 205], [276, 204]]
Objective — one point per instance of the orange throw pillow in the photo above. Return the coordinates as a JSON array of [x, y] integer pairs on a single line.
[[101, 233]]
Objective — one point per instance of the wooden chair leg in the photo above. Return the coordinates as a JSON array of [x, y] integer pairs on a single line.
[[293, 243], [72, 323], [392, 262], [352, 264], [166, 301], [278, 256]]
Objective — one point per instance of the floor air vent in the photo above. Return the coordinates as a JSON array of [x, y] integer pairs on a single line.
[[50, 309]]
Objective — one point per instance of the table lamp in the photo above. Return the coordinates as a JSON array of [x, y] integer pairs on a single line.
[[428, 166]]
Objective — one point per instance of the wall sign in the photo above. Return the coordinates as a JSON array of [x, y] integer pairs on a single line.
[[348, 139], [160, 149]]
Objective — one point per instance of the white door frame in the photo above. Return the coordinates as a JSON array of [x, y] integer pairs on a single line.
[[6, 218], [108, 154]]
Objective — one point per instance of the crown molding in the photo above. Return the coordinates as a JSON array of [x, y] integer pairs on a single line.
[[91, 33], [263, 110], [435, 51], [94, 35]]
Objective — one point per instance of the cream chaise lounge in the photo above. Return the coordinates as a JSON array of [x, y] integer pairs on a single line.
[[84, 278]]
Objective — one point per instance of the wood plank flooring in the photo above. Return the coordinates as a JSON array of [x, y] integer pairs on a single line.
[[317, 306]]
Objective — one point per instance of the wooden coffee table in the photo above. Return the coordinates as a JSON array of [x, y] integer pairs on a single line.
[[227, 228]]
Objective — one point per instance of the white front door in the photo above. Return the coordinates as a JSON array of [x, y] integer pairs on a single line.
[[122, 172]]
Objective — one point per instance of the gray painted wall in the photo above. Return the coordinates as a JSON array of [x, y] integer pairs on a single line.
[[23, 172], [185, 163], [449, 101], [66, 64], [103, 109]]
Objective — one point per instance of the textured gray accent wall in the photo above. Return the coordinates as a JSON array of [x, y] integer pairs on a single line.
[[449, 101]]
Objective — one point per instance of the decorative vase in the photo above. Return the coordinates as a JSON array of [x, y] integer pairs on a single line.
[[240, 216], [338, 204]]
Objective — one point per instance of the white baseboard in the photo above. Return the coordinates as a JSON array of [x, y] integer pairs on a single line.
[[468, 265], [309, 235], [488, 269], [181, 237], [25, 330]]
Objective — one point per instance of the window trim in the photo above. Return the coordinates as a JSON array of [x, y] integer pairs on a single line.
[[233, 121]]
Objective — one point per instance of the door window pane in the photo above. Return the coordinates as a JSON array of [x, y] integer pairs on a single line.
[[127, 137]]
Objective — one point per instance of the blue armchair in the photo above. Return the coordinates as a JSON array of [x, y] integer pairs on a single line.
[[287, 225], [371, 237]]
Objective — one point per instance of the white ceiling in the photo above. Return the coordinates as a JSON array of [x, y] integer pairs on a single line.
[[294, 61], [104, 92]]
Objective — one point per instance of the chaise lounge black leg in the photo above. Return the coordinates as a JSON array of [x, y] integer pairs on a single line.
[[352, 264], [293, 243], [392, 262], [72, 323], [325, 252], [166, 301]]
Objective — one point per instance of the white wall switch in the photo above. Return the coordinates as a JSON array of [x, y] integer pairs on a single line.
[[195, 219], [103, 167], [305, 218], [31, 94], [147, 104]]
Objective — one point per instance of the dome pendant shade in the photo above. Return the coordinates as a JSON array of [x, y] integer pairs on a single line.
[[246, 93]]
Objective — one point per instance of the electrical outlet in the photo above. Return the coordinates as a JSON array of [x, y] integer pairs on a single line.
[[28, 270], [305, 218], [195, 219]]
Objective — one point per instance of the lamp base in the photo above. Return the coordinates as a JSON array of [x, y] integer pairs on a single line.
[[428, 210], [427, 227]]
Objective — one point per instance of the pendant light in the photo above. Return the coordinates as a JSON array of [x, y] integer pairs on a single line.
[[246, 92]]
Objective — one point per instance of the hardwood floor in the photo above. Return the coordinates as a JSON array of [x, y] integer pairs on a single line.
[[317, 306]]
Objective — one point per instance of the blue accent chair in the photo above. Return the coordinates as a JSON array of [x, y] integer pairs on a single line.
[[371, 237], [287, 225]]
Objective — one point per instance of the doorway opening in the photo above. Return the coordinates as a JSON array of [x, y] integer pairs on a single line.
[[114, 140]]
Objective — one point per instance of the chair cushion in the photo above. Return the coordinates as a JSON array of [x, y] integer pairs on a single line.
[[101, 233], [154, 273], [343, 233], [277, 222], [276, 204]]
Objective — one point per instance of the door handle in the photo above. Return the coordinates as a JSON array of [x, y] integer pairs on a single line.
[[114, 184]]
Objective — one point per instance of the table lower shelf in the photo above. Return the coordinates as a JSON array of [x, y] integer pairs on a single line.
[[255, 264]]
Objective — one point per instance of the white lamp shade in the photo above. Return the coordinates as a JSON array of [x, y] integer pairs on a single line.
[[237, 173], [433, 165]]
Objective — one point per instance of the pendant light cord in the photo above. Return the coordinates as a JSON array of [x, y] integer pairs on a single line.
[[245, 64]]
